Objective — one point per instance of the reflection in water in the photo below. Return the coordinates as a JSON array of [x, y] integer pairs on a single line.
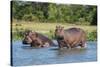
[[26, 55], [26, 47], [74, 51]]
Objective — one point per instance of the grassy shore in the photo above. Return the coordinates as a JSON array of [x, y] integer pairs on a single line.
[[48, 28]]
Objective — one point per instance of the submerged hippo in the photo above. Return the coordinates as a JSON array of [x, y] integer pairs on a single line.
[[71, 37], [37, 40]]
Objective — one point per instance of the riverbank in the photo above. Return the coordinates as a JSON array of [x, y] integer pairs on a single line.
[[18, 27]]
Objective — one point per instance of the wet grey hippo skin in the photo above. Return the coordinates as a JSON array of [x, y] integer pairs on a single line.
[[37, 39], [70, 38]]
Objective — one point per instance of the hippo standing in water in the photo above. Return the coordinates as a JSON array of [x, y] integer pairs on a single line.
[[37, 40], [70, 38]]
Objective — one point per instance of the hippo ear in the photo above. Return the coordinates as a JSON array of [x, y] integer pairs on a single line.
[[58, 26]]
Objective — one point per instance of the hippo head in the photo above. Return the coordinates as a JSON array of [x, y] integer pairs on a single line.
[[29, 37], [59, 32]]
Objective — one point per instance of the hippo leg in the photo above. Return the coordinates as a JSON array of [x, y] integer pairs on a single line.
[[60, 44], [82, 44], [68, 46]]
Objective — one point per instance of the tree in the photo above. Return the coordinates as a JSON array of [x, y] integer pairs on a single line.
[[46, 12]]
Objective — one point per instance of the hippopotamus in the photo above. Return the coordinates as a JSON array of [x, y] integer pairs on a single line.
[[36, 39], [71, 37]]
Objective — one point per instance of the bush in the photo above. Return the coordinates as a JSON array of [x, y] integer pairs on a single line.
[[18, 34], [92, 36], [29, 17]]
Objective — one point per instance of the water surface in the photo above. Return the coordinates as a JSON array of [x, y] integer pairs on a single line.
[[25, 55]]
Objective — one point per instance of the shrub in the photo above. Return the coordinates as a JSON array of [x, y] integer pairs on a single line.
[[92, 36]]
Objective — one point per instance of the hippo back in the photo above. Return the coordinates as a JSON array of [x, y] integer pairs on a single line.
[[45, 38]]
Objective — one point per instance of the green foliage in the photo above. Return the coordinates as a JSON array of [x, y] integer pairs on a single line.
[[94, 18], [92, 36], [33, 11], [18, 34], [29, 17]]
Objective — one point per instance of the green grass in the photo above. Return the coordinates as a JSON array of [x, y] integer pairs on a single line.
[[48, 28], [36, 26]]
